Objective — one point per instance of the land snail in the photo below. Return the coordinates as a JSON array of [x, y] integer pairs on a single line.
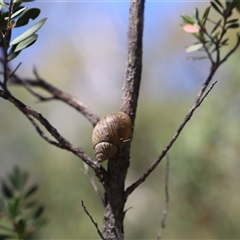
[[110, 134]]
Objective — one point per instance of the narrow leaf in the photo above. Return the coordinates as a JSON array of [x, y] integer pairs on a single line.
[[216, 8], [13, 207], [20, 228], [205, 15], [6, 190], [194, 47], [216, 26], [188, 19], [196, 13], [2, 205], [219, 3], [234, 25], [26, 43], [30, 204], [7, 236], [5, 229], [238, 5], [12, 55], [225, 42], [232, 21], [29, 32], [39, 212], [18, 12], [31, 191]]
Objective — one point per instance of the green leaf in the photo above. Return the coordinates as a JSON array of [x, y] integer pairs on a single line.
[[7, 191], [230, 4], [12, 55], [17, 177], [2, 205], [29, 32], [18, 12], [20, 228], [216, 26], [225, 42], [205, 15], [196, 14], [219, 3], [40, 222], [31, 191], [26, 43], [5, 229], [31, 13], [238, 5], [39, 212], [15, 6], [194, 47], [216, 8], [30, 204], [234, 25], [7, 236], [13, 207], [232, 21], [188, 19]]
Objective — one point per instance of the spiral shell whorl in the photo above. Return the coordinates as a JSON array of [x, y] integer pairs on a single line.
[[110, 133]]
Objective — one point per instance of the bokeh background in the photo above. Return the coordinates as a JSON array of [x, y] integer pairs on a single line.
[[82, 50]]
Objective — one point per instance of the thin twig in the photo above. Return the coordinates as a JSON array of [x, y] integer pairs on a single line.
[[56, 94], [62, 142], [91, 218], [15, 70], [165, 211], [196, 104], [40, 132], [232, 50], [93, 183]]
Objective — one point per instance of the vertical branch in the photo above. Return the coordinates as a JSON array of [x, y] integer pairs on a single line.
[[134, 59], [115, 196]]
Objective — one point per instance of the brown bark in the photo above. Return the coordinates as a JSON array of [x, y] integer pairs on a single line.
[[115, 196]]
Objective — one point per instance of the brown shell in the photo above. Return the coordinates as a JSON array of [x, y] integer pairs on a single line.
[[110, 133]]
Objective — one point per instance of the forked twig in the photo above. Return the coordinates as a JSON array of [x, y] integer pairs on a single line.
[[94, 223], [61, 141], [56, 94], [93, 183]]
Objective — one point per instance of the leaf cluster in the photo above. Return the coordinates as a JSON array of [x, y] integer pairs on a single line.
[[13, 15], [211, 34], [20, 214]]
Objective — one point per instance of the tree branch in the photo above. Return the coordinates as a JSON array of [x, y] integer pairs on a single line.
[[61, 141], [57, 94], [134, 59], [196, 104], [198, 101]]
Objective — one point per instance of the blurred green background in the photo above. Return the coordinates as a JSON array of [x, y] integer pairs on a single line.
[[82, 50]]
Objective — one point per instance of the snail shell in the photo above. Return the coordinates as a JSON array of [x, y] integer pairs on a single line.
[[110, 133]]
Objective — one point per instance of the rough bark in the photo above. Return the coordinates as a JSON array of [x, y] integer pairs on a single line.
[[115, 197]]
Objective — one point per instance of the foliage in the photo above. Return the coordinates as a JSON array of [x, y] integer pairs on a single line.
[[14, 15], [20, 214], [211, 34]]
